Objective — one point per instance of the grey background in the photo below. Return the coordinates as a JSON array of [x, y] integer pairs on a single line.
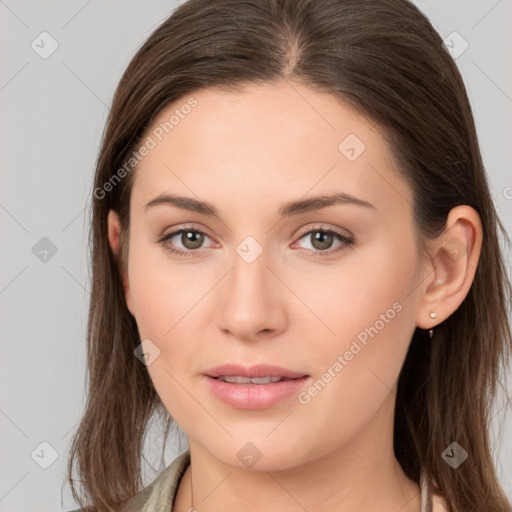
[[53, 113]]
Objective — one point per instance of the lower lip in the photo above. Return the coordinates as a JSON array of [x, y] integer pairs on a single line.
[[255, 396]]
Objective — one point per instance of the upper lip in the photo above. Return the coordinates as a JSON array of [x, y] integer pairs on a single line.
[[259, 370]]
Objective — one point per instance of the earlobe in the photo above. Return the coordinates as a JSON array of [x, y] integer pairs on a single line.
[[453, 261], [114, 237]]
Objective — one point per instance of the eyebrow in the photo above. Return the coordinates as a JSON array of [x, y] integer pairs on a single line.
[[286, 210]]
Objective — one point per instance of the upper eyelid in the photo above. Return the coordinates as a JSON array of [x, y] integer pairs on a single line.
[[322, 227], [302, 231], [179, 229]]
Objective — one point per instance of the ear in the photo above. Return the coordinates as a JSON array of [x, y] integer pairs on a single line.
[[450, 272], [114, 237]]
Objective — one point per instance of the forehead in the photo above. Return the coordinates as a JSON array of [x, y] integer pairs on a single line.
[[267, 141]]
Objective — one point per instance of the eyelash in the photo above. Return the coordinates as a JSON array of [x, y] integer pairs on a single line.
[[347, 241]]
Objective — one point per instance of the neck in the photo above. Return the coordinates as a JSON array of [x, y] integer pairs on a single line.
[[361, 474]]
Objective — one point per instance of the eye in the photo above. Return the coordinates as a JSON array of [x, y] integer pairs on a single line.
[[322, 240], [190, 238]]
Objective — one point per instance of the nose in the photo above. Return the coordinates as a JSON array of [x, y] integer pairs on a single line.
[[252, 306]]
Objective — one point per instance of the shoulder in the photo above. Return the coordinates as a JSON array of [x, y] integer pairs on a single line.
[[430, 500], [159, 495], [438, 504]]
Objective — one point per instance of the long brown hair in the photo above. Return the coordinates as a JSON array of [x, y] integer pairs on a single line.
[[386, 59]]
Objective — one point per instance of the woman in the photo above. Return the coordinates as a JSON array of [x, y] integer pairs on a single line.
[[296, 259]]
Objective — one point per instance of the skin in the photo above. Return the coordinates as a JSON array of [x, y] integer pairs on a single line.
[[248, 153]]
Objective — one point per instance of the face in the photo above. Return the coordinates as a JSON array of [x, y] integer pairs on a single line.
[[326, 290]]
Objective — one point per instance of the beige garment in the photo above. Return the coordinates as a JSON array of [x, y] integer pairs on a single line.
[[160, 494]]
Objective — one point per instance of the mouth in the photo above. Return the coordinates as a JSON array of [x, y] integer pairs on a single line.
[[239, 379], [236, 373], [257, 387]]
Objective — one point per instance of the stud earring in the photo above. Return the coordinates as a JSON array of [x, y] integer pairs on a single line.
[[431, 331]]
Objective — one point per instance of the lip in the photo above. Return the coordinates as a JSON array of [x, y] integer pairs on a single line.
[[254, 396], [259, 370]]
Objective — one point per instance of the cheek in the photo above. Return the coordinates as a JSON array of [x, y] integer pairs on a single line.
[[356, 375], [366, 295], [164, 293], [371, 311], [169, 300]]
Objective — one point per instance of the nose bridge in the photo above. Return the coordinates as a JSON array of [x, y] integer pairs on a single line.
[[250, 272], [250, 299]]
